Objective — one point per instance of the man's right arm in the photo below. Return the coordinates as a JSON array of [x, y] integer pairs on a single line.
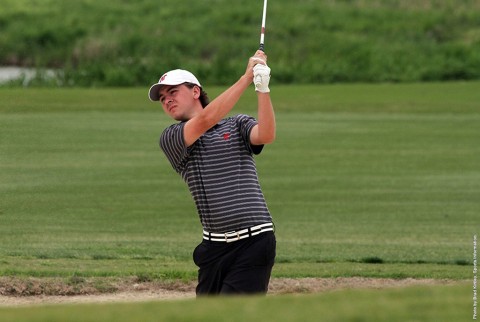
[[222, 105], [215, 111]]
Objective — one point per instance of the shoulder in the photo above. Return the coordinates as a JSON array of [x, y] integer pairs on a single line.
[[172, 135], [172, 129], [242, 117], [242, 120]]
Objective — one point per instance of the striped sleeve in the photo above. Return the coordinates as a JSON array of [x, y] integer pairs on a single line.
[[245, 124], [173, 145]]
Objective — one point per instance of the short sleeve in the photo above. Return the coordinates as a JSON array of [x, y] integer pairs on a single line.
[[245, 124], [173, 145]]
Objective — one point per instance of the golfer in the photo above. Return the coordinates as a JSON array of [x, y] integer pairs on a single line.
[[214, 155]]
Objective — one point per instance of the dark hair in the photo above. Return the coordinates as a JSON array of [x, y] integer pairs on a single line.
[[203, 95]]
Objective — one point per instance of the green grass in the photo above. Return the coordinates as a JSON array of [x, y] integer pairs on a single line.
[[363, 180], [440, 303]]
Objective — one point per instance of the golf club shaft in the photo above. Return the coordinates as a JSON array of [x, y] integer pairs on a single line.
[[262, 33]]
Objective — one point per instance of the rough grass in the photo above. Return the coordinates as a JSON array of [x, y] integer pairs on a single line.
[[119, 43]]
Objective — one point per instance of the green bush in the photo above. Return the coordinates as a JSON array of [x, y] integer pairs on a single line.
[[120, 43]]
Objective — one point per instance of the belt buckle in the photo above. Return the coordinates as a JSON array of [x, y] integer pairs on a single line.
[[228, 235]]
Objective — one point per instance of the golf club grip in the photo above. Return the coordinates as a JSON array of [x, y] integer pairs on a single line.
[[262, 47]]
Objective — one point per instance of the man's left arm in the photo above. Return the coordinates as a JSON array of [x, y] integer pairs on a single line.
[[264, 131]]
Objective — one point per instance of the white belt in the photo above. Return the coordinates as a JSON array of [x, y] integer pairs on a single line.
[[237, 235]]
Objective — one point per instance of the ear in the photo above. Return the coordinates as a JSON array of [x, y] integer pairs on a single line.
[[196, 92]]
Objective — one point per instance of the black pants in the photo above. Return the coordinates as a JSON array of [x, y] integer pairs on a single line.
[[240, 267]]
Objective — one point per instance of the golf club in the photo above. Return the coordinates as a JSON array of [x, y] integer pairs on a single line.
[[262, 33]]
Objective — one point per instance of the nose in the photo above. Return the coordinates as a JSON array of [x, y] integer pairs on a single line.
[[167, 101]]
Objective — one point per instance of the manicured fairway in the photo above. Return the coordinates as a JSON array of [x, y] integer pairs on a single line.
[[359, 174]]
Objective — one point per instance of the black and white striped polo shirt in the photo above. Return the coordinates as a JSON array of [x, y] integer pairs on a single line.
[[220, 173]]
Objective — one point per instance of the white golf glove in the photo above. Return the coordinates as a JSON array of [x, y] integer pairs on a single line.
[[261, 78]]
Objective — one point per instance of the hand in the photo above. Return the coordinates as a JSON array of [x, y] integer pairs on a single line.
[[258, 58], [261, 78]]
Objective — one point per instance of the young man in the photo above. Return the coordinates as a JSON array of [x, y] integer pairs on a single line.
[[214, 156]]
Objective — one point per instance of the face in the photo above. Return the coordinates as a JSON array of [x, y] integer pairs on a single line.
[[179, 102]]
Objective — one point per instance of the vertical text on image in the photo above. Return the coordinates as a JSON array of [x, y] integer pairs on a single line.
[[475, 277]]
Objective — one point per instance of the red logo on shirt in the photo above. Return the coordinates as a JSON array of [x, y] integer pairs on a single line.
[[226, 136]]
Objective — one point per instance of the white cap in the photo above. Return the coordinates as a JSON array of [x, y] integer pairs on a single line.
[[173, 77]]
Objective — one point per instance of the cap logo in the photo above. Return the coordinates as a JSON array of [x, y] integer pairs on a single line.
[[163, 77]]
